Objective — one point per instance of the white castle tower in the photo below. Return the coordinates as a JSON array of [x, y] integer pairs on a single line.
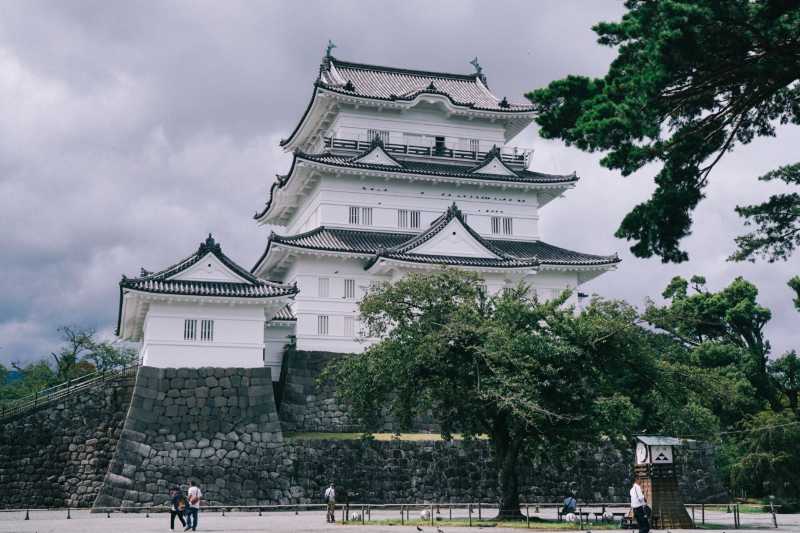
[[396, 171]]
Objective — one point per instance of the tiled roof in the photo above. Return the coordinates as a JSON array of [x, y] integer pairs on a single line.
[[285, 314], [438, 169], [251, 287], [417, 168], [514, 253], [397, 84]]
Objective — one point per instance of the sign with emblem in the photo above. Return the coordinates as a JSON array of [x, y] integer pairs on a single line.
[[661, 455]]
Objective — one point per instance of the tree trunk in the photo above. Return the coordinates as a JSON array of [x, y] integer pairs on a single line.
[[506, 453]]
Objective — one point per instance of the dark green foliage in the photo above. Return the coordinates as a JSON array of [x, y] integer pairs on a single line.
[[528, 374], [723, 329], [777, 221], [691, 80], [794, 284], [80, 354]]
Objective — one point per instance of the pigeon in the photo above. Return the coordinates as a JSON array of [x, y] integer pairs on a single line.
[[419, 528], [439, 530]]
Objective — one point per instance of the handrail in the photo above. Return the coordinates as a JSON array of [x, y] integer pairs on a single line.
[[63, 390], [520, 157]]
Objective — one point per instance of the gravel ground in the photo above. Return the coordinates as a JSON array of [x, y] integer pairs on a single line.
[[85, 522]]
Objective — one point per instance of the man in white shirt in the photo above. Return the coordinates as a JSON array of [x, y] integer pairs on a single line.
[[330, 500], [638, 503], [194, 496]]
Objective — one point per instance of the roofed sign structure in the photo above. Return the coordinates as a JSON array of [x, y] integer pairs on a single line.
[[394, 170]]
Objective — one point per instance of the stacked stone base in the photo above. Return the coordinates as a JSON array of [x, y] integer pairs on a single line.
[[217, 426], [59, 455]]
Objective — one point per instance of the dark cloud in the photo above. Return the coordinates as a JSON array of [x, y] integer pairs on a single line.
[[130, 130]]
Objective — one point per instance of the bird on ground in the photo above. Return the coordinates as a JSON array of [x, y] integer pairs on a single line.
[[419, 528], [439, 530]]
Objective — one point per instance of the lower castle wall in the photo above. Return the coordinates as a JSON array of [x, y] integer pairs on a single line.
[[218, 426], [59, 455]]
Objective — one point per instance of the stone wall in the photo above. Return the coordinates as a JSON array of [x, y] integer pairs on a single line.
[[59, 455], [217, 426], [406, 472], [307, 405]]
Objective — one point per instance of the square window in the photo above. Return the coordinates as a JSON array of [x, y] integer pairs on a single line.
[[350, 289], [207, 330], [322, 325], [324, 287], [189, 329]]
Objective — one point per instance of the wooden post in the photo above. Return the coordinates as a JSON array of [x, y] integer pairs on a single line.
[[480, 516], [527, 516], [470, 515], [431, 515], [402, 517], [450, 509], [703, 513], [362, 514]]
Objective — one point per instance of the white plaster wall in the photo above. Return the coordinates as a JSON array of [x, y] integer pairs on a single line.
[[308, 305], [276, 337], [329, 205], [238, 336]]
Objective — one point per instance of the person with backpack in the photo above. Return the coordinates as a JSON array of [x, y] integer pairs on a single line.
[[178, 507], [194, 493]]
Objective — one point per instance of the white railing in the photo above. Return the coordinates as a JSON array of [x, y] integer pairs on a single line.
[[513, 155]]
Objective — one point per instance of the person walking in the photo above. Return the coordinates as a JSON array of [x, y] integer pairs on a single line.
[[639, 507], [178, 507], [194, 495], [330, 500]]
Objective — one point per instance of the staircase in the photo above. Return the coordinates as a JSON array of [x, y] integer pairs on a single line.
[[62, 391]]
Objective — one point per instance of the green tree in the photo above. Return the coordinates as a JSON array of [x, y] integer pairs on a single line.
[[785, 373], [526, 374], [692, 78], [794, 284], [719, 328]]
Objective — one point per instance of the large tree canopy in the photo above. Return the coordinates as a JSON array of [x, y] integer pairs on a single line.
[[527, 374], [692, 78]]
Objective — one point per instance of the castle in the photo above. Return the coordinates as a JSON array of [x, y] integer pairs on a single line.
[[393, 171]]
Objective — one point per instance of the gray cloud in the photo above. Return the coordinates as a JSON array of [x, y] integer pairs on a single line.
[[129, 130]]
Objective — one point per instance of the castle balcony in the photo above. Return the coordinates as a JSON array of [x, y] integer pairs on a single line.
[[515, 157]]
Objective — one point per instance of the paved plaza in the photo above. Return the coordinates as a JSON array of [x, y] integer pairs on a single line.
[[85, 522]]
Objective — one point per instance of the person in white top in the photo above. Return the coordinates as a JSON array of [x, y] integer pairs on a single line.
[[330, 499], [194, 496], [638, 505]]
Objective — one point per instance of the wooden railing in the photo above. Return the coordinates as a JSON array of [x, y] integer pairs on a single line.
[[519, 158], [59, 392]]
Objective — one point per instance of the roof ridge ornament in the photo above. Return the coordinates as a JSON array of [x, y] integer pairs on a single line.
[[376, 142], [479, 70], [349, 86], [209, 246], [504, 103], [432, 88], [329, 48]]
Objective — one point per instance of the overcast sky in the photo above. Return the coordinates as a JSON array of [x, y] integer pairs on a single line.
[[129, 130]]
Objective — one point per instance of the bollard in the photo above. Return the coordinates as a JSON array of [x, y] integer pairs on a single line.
[[470, 515], [223, 511], [259, 511], [402, 518], [480, 517], [108, 513], [147, 513], [362, 514], [27, 515], [68, 516], [703, 513], [450, 509], [527, 516], [431, 515]]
